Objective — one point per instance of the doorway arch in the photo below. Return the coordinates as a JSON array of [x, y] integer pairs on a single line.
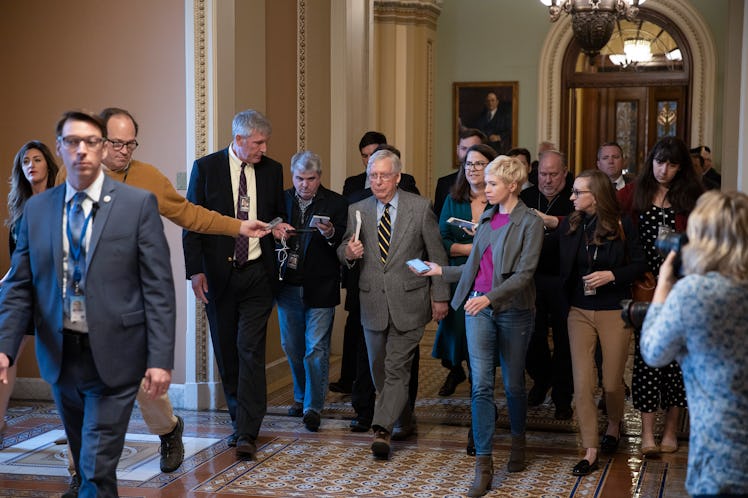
[[703, 80]]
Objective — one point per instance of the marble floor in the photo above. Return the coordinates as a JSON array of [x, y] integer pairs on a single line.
[[334, 462]]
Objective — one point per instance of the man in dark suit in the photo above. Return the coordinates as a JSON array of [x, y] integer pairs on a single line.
[[311, 283], [236, 278], [92, 267], [610, 162], [550, 200], [711, 179], [468, 138], [396, 304], [496, 122]]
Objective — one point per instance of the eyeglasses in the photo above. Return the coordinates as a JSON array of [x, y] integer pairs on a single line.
[[381, 176], [478, 165], [73, 142], [577, 193], [118, 145]]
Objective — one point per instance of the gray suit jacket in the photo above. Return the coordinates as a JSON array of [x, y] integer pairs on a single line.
[[129, 287], [515, 248], [391, 290]]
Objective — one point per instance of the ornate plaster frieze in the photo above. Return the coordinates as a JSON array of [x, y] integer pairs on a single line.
[[419, 12]]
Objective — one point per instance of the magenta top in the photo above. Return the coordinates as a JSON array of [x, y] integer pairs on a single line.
[[484, 278]]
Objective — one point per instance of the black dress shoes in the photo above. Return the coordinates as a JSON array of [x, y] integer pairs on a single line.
[[584, 468], [563, 412], [231, 440], [536, 396], [609, 444], [311, 420], [455, 377], [340, 387], [296, 410], [246, 449], [358, 425], [75, 486]]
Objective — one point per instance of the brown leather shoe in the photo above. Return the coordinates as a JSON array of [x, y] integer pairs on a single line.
[[246, 449], [380, 447]]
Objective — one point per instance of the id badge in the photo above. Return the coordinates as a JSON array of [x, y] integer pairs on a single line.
[[244, 204], [663, 231], [293, 260], [77, 308]]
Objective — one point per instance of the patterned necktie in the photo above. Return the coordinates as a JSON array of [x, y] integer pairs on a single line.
[[241, 246], [77, 246], [384, 232]]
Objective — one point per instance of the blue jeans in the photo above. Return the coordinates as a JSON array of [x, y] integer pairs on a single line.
[[305, 338], [508, 335]]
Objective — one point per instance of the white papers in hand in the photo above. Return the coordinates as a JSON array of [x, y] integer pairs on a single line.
[[358, 224]]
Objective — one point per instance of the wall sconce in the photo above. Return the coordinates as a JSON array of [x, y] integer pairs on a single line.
[[593, 21]]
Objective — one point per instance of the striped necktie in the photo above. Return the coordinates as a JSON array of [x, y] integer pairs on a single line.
[[384, 232]]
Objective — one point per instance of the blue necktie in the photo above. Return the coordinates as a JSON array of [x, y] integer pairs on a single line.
[[77, 249]]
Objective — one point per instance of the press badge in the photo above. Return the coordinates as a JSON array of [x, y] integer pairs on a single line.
[[664, 231], [293, 260], [244, 204], [77, 308]]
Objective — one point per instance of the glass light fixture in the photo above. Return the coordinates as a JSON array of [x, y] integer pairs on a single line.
[[593, 21]]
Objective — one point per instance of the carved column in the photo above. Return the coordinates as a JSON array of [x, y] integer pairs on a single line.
[[403, 81]]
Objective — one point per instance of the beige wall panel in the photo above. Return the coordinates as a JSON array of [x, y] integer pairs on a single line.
[[92, 54]]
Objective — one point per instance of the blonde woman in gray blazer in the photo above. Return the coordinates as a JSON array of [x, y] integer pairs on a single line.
[[497, 282]]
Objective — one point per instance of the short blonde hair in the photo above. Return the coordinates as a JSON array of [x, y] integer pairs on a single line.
[[718, 235], [508, 170]]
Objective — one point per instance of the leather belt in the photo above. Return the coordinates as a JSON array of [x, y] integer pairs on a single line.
[[75, 338], [246, 264]]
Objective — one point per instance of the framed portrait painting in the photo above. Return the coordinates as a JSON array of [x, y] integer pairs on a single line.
[[490, 107]]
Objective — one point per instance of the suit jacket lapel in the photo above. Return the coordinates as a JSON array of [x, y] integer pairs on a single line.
[[58, 204], [223, 176], [99, 217], [402, 223]]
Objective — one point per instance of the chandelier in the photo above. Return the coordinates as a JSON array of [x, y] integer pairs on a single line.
[[593, 21]]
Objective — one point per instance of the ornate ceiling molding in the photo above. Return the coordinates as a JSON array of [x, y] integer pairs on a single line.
[[418, 12]]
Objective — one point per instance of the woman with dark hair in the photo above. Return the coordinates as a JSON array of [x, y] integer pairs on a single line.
[[659, 202], [34, 171], [466, 201], [600, 258], [708, 338]]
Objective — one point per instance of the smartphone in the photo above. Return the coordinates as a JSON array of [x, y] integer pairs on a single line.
[[274, 222], [319, 218], [462, 223], [418, 265]]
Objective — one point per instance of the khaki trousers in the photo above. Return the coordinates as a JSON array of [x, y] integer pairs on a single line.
[[158, 413], [585, 327]]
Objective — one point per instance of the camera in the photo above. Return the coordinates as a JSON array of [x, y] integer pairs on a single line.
[[672, 241], [634, 312]]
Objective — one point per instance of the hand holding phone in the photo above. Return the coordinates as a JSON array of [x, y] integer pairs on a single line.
[[418, 265], [319, 218], [462, 223], [274, 222]]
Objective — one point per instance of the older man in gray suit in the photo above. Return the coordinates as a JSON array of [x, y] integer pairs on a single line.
[[396, 226]]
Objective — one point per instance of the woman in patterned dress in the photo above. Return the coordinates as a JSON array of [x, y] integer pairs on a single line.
[[659, 202], [701, 322]]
